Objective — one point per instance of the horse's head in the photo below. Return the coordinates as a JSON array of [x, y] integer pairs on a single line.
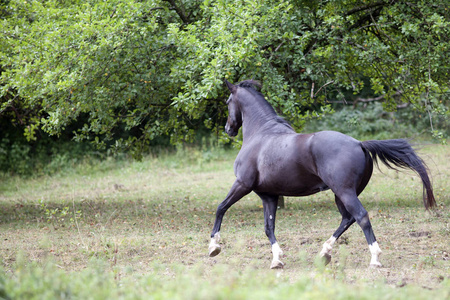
[[234, 121]]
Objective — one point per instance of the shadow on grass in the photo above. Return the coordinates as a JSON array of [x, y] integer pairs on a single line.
[[175, 212]]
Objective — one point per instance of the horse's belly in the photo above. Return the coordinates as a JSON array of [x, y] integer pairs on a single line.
[[303, 192], [292, 192], [290, 185]]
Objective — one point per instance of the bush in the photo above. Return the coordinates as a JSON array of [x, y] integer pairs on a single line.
[[44, 156], [373, 122]]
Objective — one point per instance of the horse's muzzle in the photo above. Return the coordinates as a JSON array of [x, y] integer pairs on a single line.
[[230, 131]]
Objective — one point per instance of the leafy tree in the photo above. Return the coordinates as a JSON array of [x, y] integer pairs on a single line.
[[128, 71]]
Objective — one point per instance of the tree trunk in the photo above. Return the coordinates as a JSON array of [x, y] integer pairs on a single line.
[[281, 202]]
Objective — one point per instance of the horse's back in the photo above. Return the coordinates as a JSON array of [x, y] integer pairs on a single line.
[[300, 164], [332, 144]]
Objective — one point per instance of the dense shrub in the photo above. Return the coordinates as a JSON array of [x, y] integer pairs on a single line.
[[373, 122]]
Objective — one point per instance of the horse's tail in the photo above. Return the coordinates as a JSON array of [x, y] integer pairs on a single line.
[[399, 154]]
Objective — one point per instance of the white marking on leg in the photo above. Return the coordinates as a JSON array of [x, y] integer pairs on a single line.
[[375, 251], [326, 249], [328, 246], [277, 252], [214, 246], [271, 217]]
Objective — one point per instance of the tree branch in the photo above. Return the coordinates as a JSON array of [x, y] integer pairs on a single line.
[[179, 10], [352, 43], [370, 99], [11, 107], [329, 82], [364, 7]]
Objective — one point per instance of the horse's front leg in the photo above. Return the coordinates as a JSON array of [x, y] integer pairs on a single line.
[[236, 192], [270, 209]]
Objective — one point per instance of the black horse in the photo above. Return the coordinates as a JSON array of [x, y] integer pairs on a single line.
[[275, 160]]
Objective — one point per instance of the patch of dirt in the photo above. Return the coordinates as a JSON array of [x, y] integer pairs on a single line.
[[420, 234]]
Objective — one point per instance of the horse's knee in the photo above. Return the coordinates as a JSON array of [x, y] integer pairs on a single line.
[[364, 222], [358, 212], [269, 230], [363, 219], [270, 233], [221, 209]]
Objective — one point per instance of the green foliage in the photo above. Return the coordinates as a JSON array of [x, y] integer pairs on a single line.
[[31, 281], [127, 72], [373, 122], [103, 59], [14, 155], [59, 215], [45, 156]]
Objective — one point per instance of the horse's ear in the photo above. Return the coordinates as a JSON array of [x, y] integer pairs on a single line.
[[231, 87]]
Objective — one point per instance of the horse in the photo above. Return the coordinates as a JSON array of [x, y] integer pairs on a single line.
[[275, 160]]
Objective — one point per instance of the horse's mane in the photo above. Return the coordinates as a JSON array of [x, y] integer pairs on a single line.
[[251, 85]]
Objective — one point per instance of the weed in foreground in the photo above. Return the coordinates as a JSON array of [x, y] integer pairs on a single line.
[[28, 280]]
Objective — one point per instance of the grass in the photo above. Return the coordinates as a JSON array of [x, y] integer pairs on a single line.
[[130, 230]]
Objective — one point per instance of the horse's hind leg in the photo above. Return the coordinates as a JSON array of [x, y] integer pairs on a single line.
[[347, 218], [359, 213], [270, 209], [346, 222]]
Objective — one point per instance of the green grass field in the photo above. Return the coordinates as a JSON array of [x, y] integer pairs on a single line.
[[140, 230]]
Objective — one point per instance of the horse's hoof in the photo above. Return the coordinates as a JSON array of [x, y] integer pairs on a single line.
[[326, 258], [276, 264], [214, 250], [375, 265]]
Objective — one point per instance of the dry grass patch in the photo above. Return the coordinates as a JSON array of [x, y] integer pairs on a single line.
[[154, 218]]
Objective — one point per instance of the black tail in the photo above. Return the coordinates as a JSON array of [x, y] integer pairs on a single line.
[[399, 154]]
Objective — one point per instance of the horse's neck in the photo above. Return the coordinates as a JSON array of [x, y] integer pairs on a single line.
[[254, 122]]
